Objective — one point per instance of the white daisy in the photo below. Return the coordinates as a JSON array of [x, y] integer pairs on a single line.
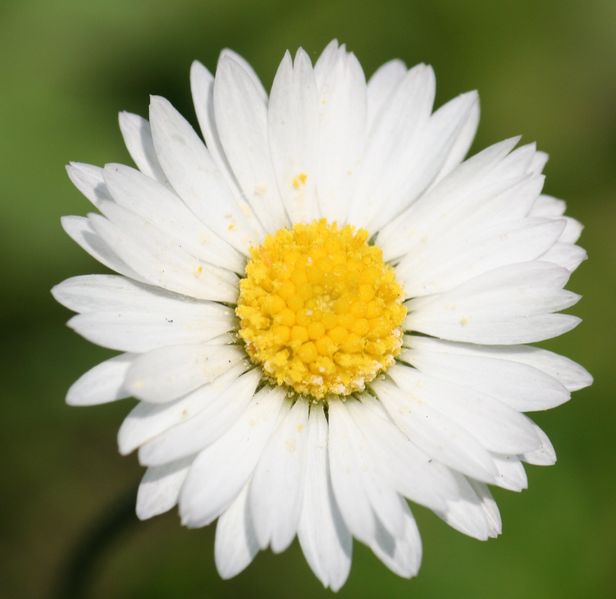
[[323, 309]]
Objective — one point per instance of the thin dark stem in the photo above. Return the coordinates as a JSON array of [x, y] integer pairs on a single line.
[[80, 569]]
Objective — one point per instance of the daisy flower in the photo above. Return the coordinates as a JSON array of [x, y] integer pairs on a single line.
[[324, 310]]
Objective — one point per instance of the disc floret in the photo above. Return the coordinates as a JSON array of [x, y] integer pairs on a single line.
[[319, 309]]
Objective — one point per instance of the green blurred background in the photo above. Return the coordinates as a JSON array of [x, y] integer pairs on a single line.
[[545, 69]]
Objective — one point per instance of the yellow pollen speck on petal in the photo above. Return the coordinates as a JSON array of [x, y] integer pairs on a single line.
[[299, 180], [260, 190], [319, 309], [231, 227]]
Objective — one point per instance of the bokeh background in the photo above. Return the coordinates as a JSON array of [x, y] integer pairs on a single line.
[[544, 69]]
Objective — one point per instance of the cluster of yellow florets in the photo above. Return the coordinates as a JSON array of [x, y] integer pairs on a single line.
[[319, 310]]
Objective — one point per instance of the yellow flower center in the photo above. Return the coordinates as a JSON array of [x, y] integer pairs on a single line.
[[320, 310]]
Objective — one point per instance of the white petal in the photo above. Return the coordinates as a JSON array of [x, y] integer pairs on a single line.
[[495, 425], [511, 474], [548, 206], [346, 478], [81, 232], [202, 88], [567, 255], [511, 304], [194, 176], [519, 385], [227, 53], [572, 231], [236, 543], [463, 142], [141, 332], [275, 493], [218, 414], [220, 471], [100, 293], [474, 512], [147, 420], [505, 201], [342, 127], [168, 373], [489, 507], [88, 179], [163, 209], [438, 436], [390, 144], [101, 384], [360, 490], [160, 487], [460, 194], [381, 85], [539, 161], [403, 465], [544, 455], [241, 120], [323, 535], [522, 158], [482, 209], [571, 375], [400, 553], [443, 264], [138, 139], [422, 160], [293, 136], [159, 259], [122, 314], [327, 58]]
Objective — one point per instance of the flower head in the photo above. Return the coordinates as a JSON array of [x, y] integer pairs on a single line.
[[324, 310]]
